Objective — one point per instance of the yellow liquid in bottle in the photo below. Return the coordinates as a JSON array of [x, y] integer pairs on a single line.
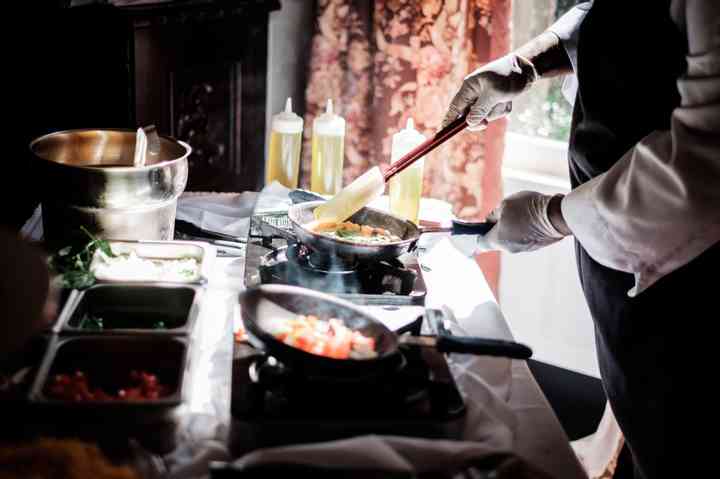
[[283, 160], [327, 164], [405, 193]]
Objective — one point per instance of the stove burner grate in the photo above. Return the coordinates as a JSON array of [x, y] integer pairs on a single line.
[[307, 258], [295, 265], [274, 257], [415, 387]]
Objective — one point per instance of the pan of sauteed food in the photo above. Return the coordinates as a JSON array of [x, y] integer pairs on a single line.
[[310, 330], [369, 234]]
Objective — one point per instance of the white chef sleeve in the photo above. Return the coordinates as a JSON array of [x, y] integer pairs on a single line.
[[567, 29], [567, 26], [658, 208]]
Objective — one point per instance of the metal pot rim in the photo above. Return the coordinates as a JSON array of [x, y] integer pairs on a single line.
[[118, 169]]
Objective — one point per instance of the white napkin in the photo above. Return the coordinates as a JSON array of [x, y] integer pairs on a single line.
[[230, 213], [392, 454], [599, 452]]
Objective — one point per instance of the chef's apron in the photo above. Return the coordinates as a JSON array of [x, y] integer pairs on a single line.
[[630, 55]]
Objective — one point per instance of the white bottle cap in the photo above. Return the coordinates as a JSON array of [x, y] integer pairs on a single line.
[[329, 123], [287, 121], [405, 140]]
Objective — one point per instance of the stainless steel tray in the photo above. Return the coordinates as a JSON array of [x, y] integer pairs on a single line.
[[108, 360], [21, 368], [135, 308], [203, 252]]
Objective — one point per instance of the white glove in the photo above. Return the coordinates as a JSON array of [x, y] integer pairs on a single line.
[[489, 91], [522, 224]]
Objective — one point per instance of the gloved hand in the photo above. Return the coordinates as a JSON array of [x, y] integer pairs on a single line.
[[489, 91], [522, 224]]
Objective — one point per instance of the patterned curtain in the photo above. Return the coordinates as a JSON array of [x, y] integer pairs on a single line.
[[384, 61]]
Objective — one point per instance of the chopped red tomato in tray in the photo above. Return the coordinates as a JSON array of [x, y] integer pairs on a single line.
[[76, 387]]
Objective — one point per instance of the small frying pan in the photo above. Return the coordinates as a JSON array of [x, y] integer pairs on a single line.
[[302, 213], [267, 303]]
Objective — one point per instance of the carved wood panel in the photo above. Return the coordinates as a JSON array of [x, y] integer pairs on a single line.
[[206, 113], [200, 75]]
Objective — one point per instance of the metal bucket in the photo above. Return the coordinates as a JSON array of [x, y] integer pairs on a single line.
[[88, 180]]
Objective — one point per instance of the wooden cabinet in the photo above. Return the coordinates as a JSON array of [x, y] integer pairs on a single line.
[[200, 72]]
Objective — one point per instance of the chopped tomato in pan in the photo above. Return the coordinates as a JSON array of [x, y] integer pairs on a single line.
[[329, 338]]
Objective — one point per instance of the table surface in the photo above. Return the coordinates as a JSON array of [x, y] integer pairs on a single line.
[[453, 281], [538, 436]]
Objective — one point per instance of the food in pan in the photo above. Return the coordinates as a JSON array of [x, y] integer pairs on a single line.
[[240, 335], [76, 387], [353, 232], [329, 338]]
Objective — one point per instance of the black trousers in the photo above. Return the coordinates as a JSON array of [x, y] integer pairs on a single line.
[[648, 349]]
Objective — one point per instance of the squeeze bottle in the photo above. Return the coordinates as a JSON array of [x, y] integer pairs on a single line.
[[327, 152], [283, 159], [406, 187]]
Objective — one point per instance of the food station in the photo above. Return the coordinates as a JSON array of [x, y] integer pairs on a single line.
[[183, 349]]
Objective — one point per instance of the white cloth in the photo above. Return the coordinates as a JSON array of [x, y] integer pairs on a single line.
[[378, 453], [599, 452], [230, 213], [658, 208]]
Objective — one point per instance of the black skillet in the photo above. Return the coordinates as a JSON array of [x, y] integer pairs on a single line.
[[301, 214], [257, 305]]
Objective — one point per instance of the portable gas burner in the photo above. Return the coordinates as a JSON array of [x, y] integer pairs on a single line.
[[275, 405], [275, 257]]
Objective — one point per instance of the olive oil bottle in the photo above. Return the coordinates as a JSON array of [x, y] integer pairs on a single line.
[[328, 144], [406, 187], [283, 160]]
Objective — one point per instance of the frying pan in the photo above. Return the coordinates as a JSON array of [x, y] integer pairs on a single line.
[[302, 213], [263, 304]]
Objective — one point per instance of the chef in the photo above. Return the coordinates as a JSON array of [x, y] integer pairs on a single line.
[[28, 298], [645, 205]]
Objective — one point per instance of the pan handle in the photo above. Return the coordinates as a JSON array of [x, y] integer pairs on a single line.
[[460, 227], [483, 346]]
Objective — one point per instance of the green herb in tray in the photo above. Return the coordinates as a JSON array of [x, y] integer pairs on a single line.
[[73, 262]]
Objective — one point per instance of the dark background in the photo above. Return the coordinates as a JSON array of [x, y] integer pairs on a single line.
[[45, 89], [197, 69]]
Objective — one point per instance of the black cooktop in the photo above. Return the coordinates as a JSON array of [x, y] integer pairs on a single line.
[[274, 405]]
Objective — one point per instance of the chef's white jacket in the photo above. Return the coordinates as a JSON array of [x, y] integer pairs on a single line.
[[658, 207]]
